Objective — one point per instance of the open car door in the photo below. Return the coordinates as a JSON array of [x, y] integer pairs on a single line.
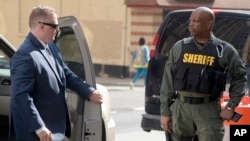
[[6, 52], [86, 118]]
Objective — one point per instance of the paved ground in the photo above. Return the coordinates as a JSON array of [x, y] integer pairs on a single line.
[[118, 81]]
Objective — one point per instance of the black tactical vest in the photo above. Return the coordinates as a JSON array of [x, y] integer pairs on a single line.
[[199, 70]]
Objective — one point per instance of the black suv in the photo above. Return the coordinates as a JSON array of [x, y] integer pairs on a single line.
[[232, 26]]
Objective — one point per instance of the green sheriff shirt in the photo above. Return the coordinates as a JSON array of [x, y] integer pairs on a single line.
[[230, 59]]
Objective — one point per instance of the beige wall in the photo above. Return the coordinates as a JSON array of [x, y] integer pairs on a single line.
[[14, 20], [102, 22], [143, 22], [112, 29]]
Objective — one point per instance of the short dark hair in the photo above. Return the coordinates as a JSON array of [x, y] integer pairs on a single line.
[[39, 14], [142, 41]]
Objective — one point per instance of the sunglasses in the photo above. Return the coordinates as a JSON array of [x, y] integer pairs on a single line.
[[49, 24]]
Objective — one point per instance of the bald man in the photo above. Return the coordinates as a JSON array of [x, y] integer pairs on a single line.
[[195, 74]]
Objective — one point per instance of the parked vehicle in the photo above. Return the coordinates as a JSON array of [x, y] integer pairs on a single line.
[[89, 121], [232, 26]]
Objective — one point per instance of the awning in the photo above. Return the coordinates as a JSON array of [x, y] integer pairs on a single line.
[[180, 4], [139, 3]]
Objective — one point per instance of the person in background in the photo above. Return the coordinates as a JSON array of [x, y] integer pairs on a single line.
[[39, 77], [140, 61], [194, 80]]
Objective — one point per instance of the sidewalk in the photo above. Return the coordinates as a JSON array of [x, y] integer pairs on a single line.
[[118, 81]]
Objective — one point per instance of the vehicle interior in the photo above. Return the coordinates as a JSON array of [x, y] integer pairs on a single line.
[[69, 47], [5, 56]]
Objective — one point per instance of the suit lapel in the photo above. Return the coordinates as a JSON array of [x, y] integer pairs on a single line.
[[38, 44], [58, 60], [52, 66]]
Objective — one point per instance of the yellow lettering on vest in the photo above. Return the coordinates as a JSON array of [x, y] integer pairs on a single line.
[[190, 58], [195, 61], [198, 59], [185, 57], [210, 60], [204, 60]]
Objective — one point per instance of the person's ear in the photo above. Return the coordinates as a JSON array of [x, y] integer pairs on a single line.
[[209, 25]]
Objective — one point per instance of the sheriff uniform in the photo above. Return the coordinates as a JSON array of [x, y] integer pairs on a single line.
[[195, 76]]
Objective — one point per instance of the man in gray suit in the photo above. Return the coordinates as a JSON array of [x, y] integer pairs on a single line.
[[39, 76]]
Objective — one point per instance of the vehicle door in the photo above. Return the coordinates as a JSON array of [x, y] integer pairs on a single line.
[[86, 116], [6, 52]]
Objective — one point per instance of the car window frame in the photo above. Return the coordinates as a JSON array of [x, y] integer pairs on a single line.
[[90, 126]]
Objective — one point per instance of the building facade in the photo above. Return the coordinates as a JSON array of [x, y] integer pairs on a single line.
[[145, 16], [112, 27]]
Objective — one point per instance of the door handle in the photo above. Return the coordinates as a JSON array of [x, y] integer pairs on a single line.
[[6, 82]]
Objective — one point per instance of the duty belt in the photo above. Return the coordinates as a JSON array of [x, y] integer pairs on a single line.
[[184, 138], [196, 100]]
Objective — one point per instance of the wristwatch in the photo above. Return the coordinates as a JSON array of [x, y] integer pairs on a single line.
[[230, 107]]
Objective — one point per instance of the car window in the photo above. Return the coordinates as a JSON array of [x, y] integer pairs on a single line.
[[176, 29], [4, 60], [70, 50], [233, 29]]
